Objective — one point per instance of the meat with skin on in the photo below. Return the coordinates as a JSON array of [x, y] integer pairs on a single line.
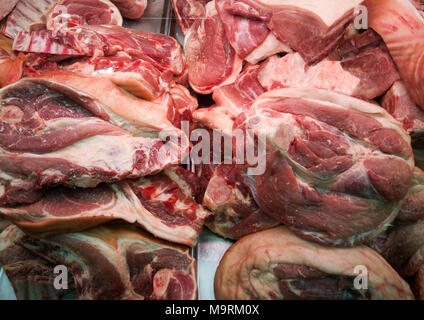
[[162, 204], [31, 276], [337, 168], [53, 134], [141, 120], [276, 264], [401, 26], [211, 61], [120, 262], [137, 76], [131, 9]]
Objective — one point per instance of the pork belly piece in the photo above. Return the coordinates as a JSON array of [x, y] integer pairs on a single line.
[[401, 26], [52, 134], [42, 42], [31, 276], [100, 40], [337, 168], [120, 262], [26, 15], [276, 264]]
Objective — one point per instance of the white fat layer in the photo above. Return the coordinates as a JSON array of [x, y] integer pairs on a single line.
[[106, 152], [269, 47]]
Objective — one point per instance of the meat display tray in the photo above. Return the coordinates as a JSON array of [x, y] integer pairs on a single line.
[[159, 18]]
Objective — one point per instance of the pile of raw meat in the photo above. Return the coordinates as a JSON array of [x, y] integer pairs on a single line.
[[99, 148]]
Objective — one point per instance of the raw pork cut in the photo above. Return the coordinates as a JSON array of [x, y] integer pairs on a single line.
[[26, 15], [52, 134], [240, 95], [400, 105], [269, 47], [244, 35], [70, 13], [94, 40], [235, 212], [188, 11], [31, 276], [403, 244], [230, 101], [275, 264], [368, 74], [250, 38], [141, 120], [137, 76], [163, 204], [120, 262], [43, 42], [309, 27], [131, 9], [211, 60], [337, 167], [401, 26]]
